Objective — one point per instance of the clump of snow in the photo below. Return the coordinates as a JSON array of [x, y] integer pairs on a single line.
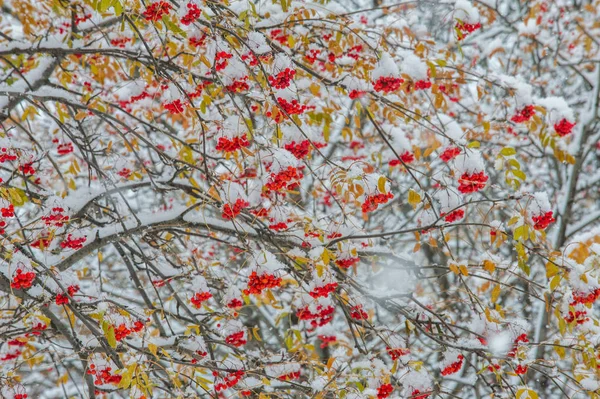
[[466, 12], [469, 162], [258, 43], [386, 67]]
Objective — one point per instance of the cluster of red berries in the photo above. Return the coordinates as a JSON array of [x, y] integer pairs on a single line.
[[520, 369], [235, 303], [524, 114], [22, 280], [579, 316], [454, 367], [357, 313], [156, 10], [229, 381], [278, 35], [283, 78], [373, 201], [27, 169], [195, 41], [221, 60], [250, 59], [122, 331], [299, 150], [7, 154], [20, 396], [120, 42], [239, 85], [542, 221], [466, 29], [520, 339], [125, 104], [125, 173], [405, 158], [470, 183], [57, 218], [397, 352], [200, 297], [449, 154], [104, 376], [347, 263], [293, 107], [73, 243], [43, 242], [454, 215], [284, 179], [312, 55], [322, 316], [354, 94], [174, 107], [326, 340], [230, 145], [65, 148], [294, 375], [7, 212], [279, 226], [17, 342], [230, 212], [416, 394], [564, 127], [586, 299], [198, 91], [256, 283], [493, 367], [324, 290], [387, 84], [236, 339], [384, 391], [62, 299], [354, 52], [193, 14], [11, 356], [422, 85]]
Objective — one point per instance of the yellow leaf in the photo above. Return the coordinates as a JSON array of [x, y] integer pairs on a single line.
[[212, 191], [109, 333], [463, 270], [255, 334], [454, 268], [526, 393], [62, 380], [496, 293], [489, 266], [381, 184], [153, 349], [551, 270], [414, 198], [326, 256]]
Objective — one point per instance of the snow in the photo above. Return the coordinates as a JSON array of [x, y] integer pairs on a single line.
[[413, 66], [469, 162], [466, 12], [386, 67], [258, 43]]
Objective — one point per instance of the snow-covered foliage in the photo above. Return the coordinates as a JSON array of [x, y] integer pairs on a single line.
[[285, 199]]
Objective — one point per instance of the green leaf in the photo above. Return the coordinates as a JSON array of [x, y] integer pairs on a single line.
[[508, 151], [172, 27], [518, 173], [109, 333], [103, 5]]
